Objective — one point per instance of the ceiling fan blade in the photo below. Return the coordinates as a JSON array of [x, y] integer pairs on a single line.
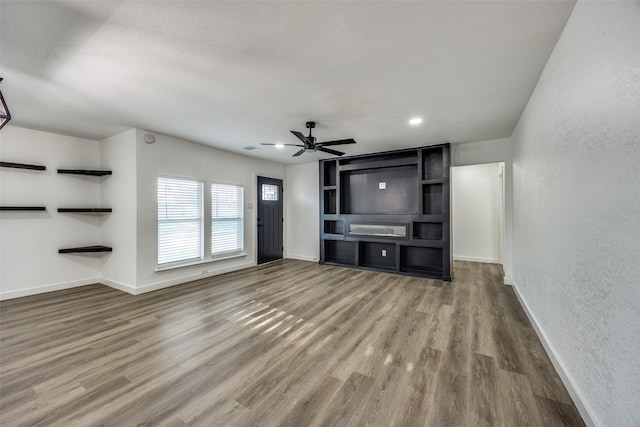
[[330, 151], [290, 145], [337, 142], [299, 152], [300, 136]]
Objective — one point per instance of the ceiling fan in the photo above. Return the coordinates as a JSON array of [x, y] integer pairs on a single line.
[[309, 142]]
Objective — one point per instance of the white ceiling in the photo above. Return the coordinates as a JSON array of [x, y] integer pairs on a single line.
[[232, 74]]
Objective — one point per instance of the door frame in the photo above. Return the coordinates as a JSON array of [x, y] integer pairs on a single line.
[[254, 208]]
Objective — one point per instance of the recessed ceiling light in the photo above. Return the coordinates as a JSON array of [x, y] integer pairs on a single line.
[[279, 145], [415, 121]]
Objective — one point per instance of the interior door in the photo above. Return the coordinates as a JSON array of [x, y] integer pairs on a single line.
[[270, 220]]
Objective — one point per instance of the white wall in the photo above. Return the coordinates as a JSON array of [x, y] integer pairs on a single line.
[[119, 192], [497, 150], [174, 157], [474, 153], [576, 219], [29, 259], [302, 212], [477, 212]]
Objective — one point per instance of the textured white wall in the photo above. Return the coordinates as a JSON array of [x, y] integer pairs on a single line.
[[29, 259], [118, 153], [302, 212], [477, 212], [175, 157], [577, 207]]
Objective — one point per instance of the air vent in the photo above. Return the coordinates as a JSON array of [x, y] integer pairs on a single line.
[[251, 148]]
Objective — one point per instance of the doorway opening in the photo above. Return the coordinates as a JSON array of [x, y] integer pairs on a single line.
[[478, 212]]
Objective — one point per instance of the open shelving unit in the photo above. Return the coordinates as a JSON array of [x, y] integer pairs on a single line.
[[22, 166], [388, 211], [85, 210], [85, 249], [23, 208], [90, 172]]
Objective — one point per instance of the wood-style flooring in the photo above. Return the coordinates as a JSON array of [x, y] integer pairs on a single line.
[[291, 343]]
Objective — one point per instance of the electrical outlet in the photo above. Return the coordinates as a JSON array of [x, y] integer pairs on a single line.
[[384, 252]]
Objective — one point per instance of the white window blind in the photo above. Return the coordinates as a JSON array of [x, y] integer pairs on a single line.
[[180, 220], [227, 218]]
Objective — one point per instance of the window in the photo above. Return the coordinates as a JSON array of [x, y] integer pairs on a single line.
[[270, 192], [227, 218], [180, 222]]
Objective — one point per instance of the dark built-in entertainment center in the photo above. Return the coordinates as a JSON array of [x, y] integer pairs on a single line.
[[388, 211]]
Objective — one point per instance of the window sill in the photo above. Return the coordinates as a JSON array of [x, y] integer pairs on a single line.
[[221, 257]]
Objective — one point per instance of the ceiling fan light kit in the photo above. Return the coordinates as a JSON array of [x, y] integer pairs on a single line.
[[309, 143]]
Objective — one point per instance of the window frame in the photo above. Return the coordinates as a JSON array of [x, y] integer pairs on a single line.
[[202, 217], [232, 252]]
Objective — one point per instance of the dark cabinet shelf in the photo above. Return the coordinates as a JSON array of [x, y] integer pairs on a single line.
[[22, 166], [330, 206], [90, 172], [427, 230], [84, 210], [85, 249], [334, 227], [23, 208], [340, 252], [388, 212], [377, 255], [329, 173]]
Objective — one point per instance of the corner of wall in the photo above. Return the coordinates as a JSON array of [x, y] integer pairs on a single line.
[[574, 391]]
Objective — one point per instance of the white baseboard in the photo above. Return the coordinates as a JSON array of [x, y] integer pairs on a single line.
[[578, 398], [476, 259], [48, 288], [508, 281], [119, 286], [197, 276], [302, 257]]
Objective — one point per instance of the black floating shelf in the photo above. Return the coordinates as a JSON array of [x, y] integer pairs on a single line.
[[85, 210], [22, 166], [85, 249], [23, 208], [91, 172]]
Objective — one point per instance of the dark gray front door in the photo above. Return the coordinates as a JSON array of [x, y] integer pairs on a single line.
[[270, 222]]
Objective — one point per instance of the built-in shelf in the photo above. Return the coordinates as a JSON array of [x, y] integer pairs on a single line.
[[85, 249], [378, 164], [22, 166], [23, 208], [90, 172], [84, 210], [388, 211], [330, 201], [334, 227], [433, 181]]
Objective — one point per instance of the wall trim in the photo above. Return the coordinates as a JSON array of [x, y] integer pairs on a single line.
[[508, 281], [118, 285], [191, 277], [301, 257], [476, 259], [578, 398], [48, 288]]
